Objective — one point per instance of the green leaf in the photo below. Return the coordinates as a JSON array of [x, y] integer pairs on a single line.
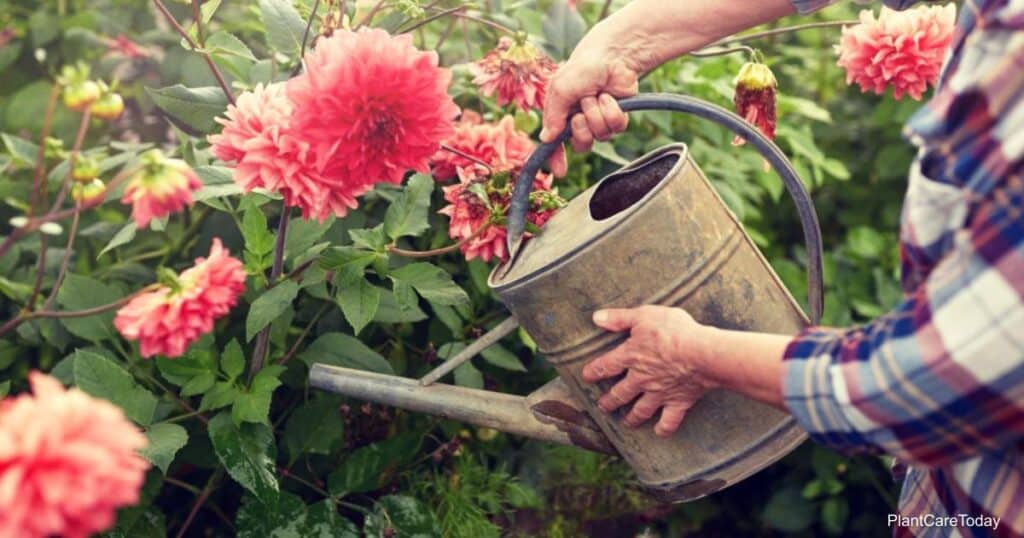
[[369, 238], [345, 260], [788, 511], [408, 214], [165, 440], [563, 29], [253, 405], [104, 378], [23, 151], [5, 388], [230, 53], [315, 427], [405, 516], [221, 395], [339, 349], [192, 109], [358, 300], [199, 384], [232, 360], [208, 9], [502, 358], [246, 452], [122, 237], [258, 238], [865, 242], [836, 169], [284, 26], [393, 310], [834, 512], [197, 361], [303, 234], [79, 293], [804, 107], [371, 466], [290, 518], [431, 282], [268, 306]]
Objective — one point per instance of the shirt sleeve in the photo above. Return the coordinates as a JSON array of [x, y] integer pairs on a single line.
[[941, 377], [810, 6]]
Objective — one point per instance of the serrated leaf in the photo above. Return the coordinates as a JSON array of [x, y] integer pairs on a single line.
[[79, 293], [165, 440], [102, 377], [268, 306], [246, 452], [408, 214], [258, 239], [198, 384], [339, 349], [369, 467], [405, 516], [290, 518], [230, 53], [314, 427], [369, 238], [431, 282], [193, 109], [253, 405], [122, 237], [221, 395], [284, 26], [502, 358], [232, 360], [358, 300], [197, 361]]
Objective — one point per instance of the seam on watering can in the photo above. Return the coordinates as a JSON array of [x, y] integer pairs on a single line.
[[679, 148], [673, 294]]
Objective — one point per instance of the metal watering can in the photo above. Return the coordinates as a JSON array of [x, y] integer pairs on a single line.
[[653, 232]]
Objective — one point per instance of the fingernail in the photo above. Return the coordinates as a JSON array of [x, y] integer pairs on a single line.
[[600, 317], [544, 134]]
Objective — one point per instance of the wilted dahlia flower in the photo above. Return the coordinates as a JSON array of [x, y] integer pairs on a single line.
[[161, 186], [167, 320], [500, 145], [268, 155], [479, 214], [902, 49], [516, 71], [372, 107], [68, 461], [755, 98]]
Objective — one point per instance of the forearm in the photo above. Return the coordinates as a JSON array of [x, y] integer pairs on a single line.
[[648, 33], [746, 362]]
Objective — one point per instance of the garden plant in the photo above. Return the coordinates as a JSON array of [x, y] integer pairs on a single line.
[[201, 199]]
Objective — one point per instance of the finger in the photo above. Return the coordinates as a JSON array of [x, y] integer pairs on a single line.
[[595, 118], [557, 162], [621, 394], [671, 417], [643, 410], [614, 117], [622, 81], [562, 96], [616, 319], [582, 138], [608, 365]]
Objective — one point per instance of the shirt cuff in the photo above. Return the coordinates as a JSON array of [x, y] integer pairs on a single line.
[[813, 393], [809, 6]]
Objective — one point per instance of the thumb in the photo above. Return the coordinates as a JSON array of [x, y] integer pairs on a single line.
[[616, 319]]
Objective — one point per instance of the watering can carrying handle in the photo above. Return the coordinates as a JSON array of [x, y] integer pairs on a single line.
[[681, 103]]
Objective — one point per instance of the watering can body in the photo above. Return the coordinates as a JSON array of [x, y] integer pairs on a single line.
[[653, 232]]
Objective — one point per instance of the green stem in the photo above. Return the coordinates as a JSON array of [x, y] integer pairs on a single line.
[[196, 48], [780, 31]]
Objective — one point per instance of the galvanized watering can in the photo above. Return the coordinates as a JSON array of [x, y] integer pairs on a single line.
[[653, 232]]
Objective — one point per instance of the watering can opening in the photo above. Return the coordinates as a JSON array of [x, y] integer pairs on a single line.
[[620, 191]]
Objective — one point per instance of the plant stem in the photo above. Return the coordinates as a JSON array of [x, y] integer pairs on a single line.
[[605, 9], [26, 315], [65, 261], [302, 336], [196, 48], [38, 184], [432, 18], [779, 31], [259, 356], [467, 156], [199, 22], [709, 52], [200, 501], [369, 16], [497, 26], [392, 249], [305, 36], [83, 127]]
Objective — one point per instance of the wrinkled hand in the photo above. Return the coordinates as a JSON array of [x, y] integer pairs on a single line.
[[661, 358]]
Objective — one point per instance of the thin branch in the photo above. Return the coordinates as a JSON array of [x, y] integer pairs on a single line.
[[200, 501], [259, 355], [497, 26], [38, 183], [26, 315], [305, 36], [467, 156], [199, 23], [302, 336], [196, 48], [779, 31], [709, 52], [605, 10], [65, 261], [392, 249], [432, 18], [83, 127], [369, 16]]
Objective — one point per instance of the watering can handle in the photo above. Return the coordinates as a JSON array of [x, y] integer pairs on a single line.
[[681, 103]]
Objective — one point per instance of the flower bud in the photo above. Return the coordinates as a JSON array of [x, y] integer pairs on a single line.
[[89, 193], [80, 95], [108, 107], [86, 169], [755, 98]]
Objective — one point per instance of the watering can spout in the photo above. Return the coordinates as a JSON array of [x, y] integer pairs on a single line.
[[549, 414]]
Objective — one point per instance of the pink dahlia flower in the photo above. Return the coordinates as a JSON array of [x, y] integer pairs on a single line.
[[167, 320], [68, 461], [500, 145], [161, 186], [480, 224], [372, 106], [516, 71], [755, 98], [268, 155], [902, 49]]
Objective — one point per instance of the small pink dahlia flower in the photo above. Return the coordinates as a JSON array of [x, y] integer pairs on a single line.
[[268, 155], [902, 49], [481, 224], [161, 186], [167, 320], [500, 145], [755, 98], [372, 106], [516, 71], [68, 461]]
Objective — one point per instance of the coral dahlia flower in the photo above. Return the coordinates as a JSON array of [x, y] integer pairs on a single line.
[[516, 71], [68, 461], [267, 154], [372, 107], [168, 319], [755, 98], [901, 49], [161, 186], [500, 145], [479, 214]]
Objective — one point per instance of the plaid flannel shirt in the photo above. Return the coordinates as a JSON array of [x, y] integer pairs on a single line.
[[938, 382]]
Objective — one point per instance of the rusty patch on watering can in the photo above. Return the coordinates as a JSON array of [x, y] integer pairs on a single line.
[[580, 428]]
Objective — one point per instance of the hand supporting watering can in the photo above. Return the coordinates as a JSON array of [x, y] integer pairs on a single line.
[[670, 361]]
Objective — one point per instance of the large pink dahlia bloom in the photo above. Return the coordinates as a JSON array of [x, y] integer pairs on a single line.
[[167, 320], [267, 154], [500, 145], [68, 461], [516, 71], [902, 49], [372, 106]]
